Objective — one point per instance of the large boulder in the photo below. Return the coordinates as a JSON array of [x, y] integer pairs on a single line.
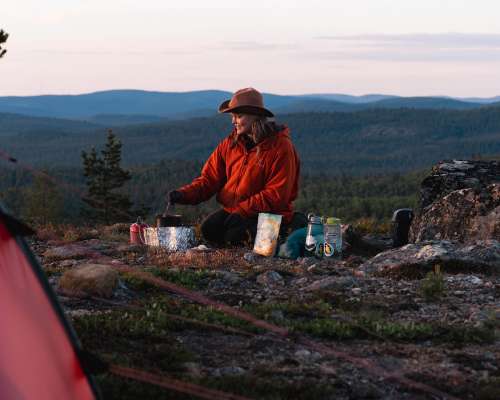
[[89, 279], [460, 201], [418, 258]]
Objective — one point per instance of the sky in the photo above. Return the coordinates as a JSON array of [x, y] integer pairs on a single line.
[[400, 47]]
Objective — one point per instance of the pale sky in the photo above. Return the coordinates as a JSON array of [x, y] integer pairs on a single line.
[[402, 47]]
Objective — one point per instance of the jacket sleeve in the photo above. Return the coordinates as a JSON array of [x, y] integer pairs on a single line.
[[210, 181], [279, 187]]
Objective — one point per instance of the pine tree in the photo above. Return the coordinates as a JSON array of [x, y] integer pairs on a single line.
[[104, 176], [3, 38]]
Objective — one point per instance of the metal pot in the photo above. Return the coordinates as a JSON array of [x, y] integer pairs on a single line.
[[164, 220], [170, 233], [167, 219]]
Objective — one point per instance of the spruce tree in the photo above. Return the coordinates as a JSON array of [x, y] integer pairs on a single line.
[[3, 38], [104, 176]]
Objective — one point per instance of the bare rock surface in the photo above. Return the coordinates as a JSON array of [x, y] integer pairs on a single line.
[[367, 309], [89, 279], [460, 200], [421, 257], [66, 252]]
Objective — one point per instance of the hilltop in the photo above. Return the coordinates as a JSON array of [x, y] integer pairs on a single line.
[[149, 106]]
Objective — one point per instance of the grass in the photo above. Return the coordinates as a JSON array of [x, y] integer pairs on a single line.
[[432, 287], [250, 386]]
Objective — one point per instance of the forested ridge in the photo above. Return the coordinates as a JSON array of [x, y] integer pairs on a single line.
[[365, 142]]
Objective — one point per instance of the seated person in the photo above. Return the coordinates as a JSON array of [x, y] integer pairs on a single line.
[[254, 169]]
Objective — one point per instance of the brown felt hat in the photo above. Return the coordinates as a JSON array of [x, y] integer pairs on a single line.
[[246, 101]]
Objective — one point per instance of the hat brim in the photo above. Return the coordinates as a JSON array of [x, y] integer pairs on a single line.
[[253, 110]]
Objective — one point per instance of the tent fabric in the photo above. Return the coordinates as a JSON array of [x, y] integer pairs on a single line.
[[38, 350]]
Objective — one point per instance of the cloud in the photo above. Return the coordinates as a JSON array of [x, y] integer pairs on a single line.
[[419, 47], [256, 46], [422, 39]]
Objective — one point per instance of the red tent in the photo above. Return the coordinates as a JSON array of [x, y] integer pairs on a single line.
[[39, 352]]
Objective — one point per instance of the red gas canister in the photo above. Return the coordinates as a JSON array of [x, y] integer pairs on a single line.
[[137, 232]]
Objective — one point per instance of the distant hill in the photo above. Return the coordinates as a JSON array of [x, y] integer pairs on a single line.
[[16, 124], [368, 141], [422, 103], [480, 100], [142, 106], [345, 98], [123, 119]]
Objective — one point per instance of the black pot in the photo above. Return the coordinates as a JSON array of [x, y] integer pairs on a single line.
[[168, 220]]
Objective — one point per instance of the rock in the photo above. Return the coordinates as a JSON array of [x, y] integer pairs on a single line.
[[270, 278], [421, 257], [277, 315], [300, 281], [67, 263], [89, 279], [201, 247], [302, 353], [306, 260], [228, 371], [66, 252], [229, 277], [332, 282], [124, 248], [251, 257], [475, 280], [306, 356], [192, 369], [356, 291], [459, 200], [319, 270]]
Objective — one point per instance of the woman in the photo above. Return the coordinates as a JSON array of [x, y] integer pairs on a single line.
[[255, 169]]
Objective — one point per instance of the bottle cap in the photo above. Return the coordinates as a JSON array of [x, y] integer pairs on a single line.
[[316, 220], [332, 220]]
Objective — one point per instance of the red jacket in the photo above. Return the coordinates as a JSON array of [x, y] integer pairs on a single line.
[[262, 179]]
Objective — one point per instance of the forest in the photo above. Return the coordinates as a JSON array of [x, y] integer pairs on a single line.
[[354, 143], [40, 200], [355, 165]]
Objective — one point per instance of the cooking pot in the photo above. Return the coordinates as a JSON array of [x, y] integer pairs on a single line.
[[170, 233]]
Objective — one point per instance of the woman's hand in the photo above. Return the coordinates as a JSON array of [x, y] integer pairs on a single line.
[[174, 196]]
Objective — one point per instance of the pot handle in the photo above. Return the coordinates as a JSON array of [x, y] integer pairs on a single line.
[[169, 205]]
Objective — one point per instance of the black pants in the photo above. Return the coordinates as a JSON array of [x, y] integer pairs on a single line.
[[223, 228]]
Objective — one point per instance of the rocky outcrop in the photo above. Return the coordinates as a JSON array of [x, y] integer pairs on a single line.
[[460, 201], [418, 258]]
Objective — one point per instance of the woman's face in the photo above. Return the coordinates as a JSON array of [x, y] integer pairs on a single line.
[[243, 123]]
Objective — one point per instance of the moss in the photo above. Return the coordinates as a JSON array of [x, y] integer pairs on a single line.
[[259, 388], [254, 387], [132, 338], [489, 389], [163, 305], [191, 279]]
